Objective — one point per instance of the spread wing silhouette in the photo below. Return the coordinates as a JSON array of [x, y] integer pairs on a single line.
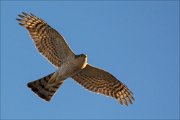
[[100, 81], [47, 40]]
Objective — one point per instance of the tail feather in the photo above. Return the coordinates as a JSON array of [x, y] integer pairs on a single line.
[[43, 89]]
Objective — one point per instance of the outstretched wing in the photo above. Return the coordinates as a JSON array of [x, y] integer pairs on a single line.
[[47, 40], [100, 81]]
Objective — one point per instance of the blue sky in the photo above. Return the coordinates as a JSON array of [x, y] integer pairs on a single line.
[[138, 42]]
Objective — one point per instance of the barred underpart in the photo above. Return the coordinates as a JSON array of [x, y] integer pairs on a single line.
[[100, 81], [47, 40]]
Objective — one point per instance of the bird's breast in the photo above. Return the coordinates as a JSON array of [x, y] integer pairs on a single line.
[[70, 67]]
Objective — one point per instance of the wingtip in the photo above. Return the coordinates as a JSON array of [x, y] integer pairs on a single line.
[[132, 98], [129, 100], [125, 102], [24, 13], [21, 24], [120, 101], [18, 19], [32, 14]]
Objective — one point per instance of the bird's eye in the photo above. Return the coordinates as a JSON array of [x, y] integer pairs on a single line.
[[83, 55]]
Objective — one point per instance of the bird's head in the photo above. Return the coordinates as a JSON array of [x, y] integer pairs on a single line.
[[81, 56]]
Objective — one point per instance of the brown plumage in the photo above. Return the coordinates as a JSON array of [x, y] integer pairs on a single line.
[[43, 89], [100, 81], [47, 40], [54, 47]]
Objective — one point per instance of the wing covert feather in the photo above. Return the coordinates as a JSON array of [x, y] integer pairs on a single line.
[[47, 40], [100, 81]]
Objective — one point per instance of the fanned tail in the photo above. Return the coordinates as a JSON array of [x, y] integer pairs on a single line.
[[43, 89]]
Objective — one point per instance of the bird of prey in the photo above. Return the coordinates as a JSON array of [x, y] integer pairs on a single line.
[[53, 46]]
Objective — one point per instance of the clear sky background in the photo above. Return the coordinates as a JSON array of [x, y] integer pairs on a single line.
[[138, 42]]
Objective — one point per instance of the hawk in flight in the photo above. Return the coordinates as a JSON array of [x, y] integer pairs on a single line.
[[54, 47]]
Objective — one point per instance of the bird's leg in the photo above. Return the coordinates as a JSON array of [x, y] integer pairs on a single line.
[[53, 79]]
